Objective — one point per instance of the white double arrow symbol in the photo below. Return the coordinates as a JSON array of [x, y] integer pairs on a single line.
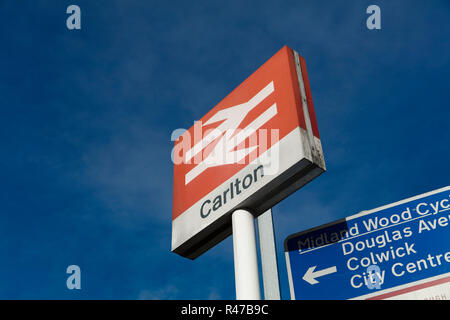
[[311, 275], [228, 135]]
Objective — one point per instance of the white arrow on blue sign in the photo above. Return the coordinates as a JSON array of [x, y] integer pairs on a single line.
[[311, 275], [398, 251]]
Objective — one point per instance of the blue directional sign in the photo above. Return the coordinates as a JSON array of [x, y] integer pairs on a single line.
[[398, 251]]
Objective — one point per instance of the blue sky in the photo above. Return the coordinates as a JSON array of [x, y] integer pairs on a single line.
[[86, 119]]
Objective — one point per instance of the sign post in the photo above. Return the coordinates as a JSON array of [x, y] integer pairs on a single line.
[[245, 256], [268, 252], [398, 251], [257, 146]]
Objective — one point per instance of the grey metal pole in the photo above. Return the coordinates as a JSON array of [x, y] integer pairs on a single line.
[[268, 256]]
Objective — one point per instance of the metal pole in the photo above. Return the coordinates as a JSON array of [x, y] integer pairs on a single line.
[[268, 251], [245, 256]]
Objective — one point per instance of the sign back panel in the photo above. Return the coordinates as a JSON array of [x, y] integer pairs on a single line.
[[398, 251], [254, 148]]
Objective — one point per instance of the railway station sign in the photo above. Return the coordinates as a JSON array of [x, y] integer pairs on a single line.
[[258, 145]]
